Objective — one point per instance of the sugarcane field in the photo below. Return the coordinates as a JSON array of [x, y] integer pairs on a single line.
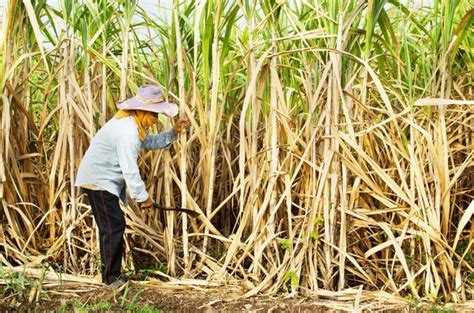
[[237, 156]]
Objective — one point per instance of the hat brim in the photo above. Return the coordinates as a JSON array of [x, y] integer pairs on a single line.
[[167, 108]]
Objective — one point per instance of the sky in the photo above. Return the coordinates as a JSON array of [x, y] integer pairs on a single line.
[[144, 3], [161, 8], [151, 5]]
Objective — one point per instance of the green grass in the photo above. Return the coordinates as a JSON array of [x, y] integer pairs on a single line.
[[101, 306], [436, 309], [108, 306]]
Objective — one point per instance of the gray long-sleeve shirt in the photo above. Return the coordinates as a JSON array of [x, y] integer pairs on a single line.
[[110, 162]]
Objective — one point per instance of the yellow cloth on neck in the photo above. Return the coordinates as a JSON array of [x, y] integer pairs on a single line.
[[143, 119]]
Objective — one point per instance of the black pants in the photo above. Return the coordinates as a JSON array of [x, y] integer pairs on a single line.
[[111, 222]]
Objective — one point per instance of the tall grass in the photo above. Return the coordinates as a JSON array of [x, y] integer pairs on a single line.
[[309, 158]]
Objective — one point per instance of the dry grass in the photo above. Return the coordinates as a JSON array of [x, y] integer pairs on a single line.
[[314, 166]]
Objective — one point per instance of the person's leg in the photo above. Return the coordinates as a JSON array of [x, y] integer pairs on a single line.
[[99, 216], [111, 222]]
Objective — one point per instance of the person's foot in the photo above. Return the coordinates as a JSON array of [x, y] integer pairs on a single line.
[[118, 284]]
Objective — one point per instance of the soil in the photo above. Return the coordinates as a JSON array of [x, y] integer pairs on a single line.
[[137, 297]]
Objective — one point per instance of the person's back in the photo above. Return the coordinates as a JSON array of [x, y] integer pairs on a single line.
[[100, 166]]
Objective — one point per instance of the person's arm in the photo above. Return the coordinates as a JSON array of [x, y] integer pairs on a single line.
[[162, 140], [127, 148]]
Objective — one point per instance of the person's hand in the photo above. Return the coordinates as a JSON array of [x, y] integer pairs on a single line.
[[147, 204], [181, 124]]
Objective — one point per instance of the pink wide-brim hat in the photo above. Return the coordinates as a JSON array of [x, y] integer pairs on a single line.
[[149, 98]]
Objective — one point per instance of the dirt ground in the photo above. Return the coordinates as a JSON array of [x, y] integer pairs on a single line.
[[140, 297]]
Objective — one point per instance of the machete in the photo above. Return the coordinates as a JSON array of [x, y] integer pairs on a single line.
[[183, 210]]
